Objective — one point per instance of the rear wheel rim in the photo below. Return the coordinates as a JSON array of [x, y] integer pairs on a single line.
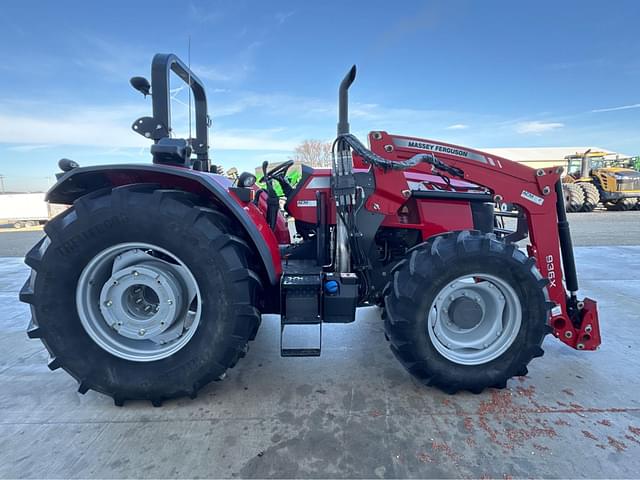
[[138, 302], [474, 319]]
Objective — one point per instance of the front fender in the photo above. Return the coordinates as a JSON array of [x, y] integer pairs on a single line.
[[81, 181]]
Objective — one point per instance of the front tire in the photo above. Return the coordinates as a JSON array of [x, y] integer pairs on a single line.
[[205, 292], [465, 312]]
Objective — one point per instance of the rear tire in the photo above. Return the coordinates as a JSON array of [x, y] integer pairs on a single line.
[[573, 197], [421, 280], [200, 238], [591, 196]]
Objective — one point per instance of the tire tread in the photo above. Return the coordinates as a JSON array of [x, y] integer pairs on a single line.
[[225, 240], [422, 267]]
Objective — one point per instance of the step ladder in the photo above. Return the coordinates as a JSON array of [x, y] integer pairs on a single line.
[[301, 306]]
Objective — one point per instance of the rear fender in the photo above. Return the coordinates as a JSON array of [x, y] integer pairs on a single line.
[[215, 188]]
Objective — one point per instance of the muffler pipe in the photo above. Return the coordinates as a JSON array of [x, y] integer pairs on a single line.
[[343, 101], [342, 169]]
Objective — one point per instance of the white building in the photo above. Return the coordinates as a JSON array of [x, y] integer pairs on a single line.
[[541, 157]]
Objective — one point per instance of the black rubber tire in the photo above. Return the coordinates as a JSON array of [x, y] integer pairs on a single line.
[[591, 196], [637, 204], [428, 268], [621, 205], [573, 197], [201, 237]]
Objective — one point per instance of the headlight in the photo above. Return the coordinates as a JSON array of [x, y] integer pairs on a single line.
[[246, 179]]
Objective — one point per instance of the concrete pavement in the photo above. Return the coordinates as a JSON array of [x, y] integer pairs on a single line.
[[353, 412]]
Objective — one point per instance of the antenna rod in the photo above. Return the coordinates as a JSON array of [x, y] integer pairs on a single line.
[[189, 65]]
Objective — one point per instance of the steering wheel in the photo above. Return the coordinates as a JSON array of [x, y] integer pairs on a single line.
[[278, 173], [280, 170]]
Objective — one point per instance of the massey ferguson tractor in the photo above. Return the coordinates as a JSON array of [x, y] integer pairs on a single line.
[[153, 282]]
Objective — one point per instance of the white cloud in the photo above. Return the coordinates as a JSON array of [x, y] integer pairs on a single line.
[[615, 109], [29, 148], [214, 74], [236, 70], [113, 59], [274, 104], [110, 127], [204, 15], [457, 126], [252, 140], [282, 17], [107, 128], [537, 126], [580, 64]]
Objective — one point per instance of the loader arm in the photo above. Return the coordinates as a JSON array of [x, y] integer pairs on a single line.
[[534, 191]]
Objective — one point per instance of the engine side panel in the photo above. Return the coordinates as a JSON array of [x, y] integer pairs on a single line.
[[431, 217]]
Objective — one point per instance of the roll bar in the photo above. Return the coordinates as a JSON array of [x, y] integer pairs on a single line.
[[161, 67]]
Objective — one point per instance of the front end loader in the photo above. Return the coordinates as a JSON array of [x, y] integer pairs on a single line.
[[153, 282]]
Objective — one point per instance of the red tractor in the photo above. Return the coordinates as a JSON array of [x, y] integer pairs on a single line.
[[154, 281]]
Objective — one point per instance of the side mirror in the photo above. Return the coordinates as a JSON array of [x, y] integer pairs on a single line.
[[141, 84]]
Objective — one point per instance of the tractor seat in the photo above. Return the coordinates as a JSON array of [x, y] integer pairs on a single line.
[[172, 151]]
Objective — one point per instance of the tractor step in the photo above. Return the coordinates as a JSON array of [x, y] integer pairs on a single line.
[[300, 352], [301, 309], [310, 297]]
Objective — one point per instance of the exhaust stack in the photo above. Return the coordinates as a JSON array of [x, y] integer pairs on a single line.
[[343, 101], [342, 180]]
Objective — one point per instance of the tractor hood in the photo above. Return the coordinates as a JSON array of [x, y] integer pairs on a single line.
[[627, 180], [626, 175]]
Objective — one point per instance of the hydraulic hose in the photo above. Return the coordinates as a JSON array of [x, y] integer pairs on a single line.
[[377, 161]]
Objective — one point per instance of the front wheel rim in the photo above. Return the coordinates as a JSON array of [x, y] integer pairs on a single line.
[[138, 302], [474, 319]]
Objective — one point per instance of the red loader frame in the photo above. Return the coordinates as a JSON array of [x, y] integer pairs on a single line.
[[534, 191]]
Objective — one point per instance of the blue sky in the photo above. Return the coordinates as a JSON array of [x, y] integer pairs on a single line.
[[482, 74]]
